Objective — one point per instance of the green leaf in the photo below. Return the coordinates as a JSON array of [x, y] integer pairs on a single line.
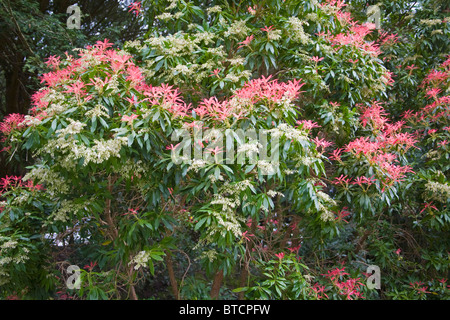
[[85, 139], [131, 139], [151, 266], [200, 223], [54, 124], [159, 65], [94, 124], [103, 122]]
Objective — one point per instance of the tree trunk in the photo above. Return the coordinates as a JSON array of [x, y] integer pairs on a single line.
[[12, 90], [132, 292], [243, 280], [172, 278], [217, 283]]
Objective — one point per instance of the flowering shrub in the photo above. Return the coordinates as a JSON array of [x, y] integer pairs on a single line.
[[286, 278], [155, 156]]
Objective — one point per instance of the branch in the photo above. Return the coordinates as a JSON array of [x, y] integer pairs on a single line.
[[21, 36]]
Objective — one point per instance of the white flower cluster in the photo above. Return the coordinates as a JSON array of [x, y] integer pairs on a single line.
[[164, 16], [202, 72], [207, 37], [140, 260], [210, 254], [192, 26], [17, 259], [74, 127], [235, 188], [100, 152], [225, 202], [194, 47], [212, 135], [214, 9], [98, 111], [249, 148], [173, 4], [184, 70], [226, 218], [273, 193], [53, 96], [289, 132], [174, 45], [227, 222], [268, 167], [52, 180], [289, 172], [437, 31], [433, 155], [430, 22], [345, 78], [213, 178], [237, 61], [286, 104], [87, 58], [306, 161], [188, 46], [232, 77], [439, 191], [325, 213], [217, 51], [411, 58], [312, 16], [136, 171], [196, 165], [238, 104], [329, 9], [137, 44], [274, 35], [178, 15], [238, 29], [326, 198], [67, 207], [55, 108], [113, 84], [10, 244], [31, 121], [10, 253], [229, 194]]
